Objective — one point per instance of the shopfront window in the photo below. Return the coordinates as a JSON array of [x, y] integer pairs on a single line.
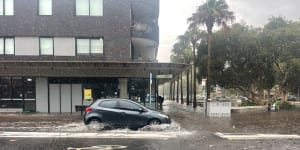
[[17, 88], [29, 85], [5, 88], [17, 93]]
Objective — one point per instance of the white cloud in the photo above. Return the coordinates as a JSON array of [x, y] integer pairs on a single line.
[[173, 22]]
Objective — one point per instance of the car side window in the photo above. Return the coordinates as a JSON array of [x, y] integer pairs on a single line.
[[108, 104], [128, 106]]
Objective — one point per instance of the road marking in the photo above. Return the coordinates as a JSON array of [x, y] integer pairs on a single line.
[[243, 136], [99, 135], [100, 147]]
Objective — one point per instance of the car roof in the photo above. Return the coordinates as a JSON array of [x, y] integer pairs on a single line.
[[114, 99], [118, 99]]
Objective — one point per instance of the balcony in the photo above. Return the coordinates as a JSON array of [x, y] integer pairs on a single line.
[[147, 31]]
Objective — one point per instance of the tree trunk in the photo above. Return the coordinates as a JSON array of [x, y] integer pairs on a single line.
[[177, 90], [181, 90], [208, 68], [194, 76], [188, 87], [284, 93], [174, 82], [260, 97], [170, 94]]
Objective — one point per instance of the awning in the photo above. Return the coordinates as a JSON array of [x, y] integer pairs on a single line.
[[88, 69]]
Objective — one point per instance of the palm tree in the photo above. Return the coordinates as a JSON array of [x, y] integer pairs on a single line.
[[210, 13], [184, 52]]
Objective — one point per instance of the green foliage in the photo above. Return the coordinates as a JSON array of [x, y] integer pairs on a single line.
[[182, 50], [281, 40], [286, 106], [210, 13], [238, 62], [249, 103]]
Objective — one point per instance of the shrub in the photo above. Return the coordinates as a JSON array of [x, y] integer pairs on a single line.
[[286, 106], [248, 103]]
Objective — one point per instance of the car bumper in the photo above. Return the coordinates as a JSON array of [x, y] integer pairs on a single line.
[[166, 121]]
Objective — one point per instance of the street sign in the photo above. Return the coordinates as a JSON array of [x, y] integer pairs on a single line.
[[164, 76]]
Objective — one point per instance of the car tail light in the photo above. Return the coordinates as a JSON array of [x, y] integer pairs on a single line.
[[88, 109]]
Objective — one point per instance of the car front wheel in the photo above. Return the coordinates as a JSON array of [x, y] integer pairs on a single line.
[[95, 125], [154, 122]]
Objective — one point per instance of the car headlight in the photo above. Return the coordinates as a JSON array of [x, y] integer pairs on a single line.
[[164, 116]]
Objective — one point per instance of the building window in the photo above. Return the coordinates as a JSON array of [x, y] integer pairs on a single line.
[[89, 7], [93, 46], [7, 7], [46, 46], [17, 88], [7, 46], [29, 87], [17, 92], [45, 7], [5, 88]]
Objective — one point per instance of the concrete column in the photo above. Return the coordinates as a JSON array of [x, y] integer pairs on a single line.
[[123, 87], [41, 94]]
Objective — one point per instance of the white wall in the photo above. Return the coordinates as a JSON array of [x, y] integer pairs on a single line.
[[64, 46], [54, 98], [27, 46], [65, 97]]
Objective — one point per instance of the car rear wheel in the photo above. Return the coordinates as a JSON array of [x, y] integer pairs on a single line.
[[95, 125], [154, 122]]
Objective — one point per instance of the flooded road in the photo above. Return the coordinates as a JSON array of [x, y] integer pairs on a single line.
[[190, 130]]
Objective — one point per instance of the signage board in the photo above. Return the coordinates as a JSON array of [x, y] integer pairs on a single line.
[[88, 94]]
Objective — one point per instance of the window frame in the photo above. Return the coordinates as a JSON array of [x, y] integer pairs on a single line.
[[39, 8], [40, 48], [4, 8], [12, 90], [4, 45], [128, 109], [76, 46], [90, 47], [115, 107], [89, 9]]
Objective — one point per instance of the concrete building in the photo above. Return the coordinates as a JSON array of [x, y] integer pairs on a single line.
[[52, 50]]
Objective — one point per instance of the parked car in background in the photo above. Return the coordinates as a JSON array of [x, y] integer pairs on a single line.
[[292, 98], [121, 113]]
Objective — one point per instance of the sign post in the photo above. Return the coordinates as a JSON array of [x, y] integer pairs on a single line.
[[150, 90]]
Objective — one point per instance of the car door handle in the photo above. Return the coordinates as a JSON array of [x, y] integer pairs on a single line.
[[123, 113]]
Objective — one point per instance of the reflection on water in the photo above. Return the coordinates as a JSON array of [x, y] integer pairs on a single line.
[[282, 122]]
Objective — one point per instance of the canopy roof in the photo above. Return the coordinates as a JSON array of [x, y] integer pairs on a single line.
[[88, 69]]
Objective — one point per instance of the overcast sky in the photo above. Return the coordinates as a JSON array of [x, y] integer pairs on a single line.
[[173, 15]]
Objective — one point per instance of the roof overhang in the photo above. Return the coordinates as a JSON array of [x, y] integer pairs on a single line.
[[88, 69]]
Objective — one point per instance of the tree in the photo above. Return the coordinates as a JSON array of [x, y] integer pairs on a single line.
[[239, 62], [210, 13], [281, 39], [184, 52]]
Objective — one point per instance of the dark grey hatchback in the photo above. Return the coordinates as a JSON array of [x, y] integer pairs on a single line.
[[122, 113]]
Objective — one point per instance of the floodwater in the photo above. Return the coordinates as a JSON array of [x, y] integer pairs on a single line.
[[282, 122], [190, 130], [77, 129]]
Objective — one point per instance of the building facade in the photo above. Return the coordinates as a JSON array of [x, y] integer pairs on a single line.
[[52, 50]]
